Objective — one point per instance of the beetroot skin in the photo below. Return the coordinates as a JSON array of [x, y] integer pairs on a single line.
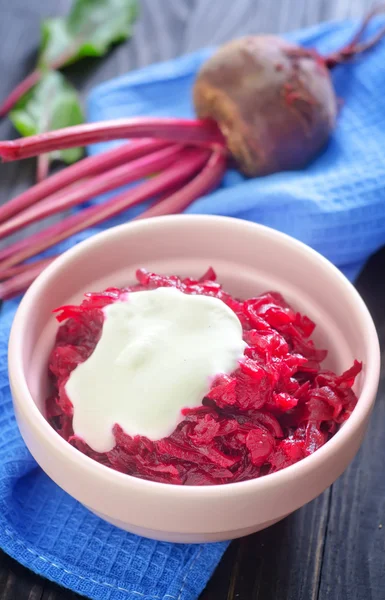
[[278, 407], [273, 101]]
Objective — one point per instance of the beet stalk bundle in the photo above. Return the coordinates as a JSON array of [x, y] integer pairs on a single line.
[[262, 102]]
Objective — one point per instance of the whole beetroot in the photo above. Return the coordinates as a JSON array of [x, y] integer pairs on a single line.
[[273, 101]]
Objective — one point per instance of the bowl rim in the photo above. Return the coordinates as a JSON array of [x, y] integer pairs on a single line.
[[90, 467]]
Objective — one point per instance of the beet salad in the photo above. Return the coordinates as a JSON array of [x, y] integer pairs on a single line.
[[176, 381]]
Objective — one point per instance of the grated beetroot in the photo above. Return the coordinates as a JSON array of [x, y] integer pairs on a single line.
[[276, 408]]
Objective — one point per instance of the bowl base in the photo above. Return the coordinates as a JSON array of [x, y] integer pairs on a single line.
[[187, 538]]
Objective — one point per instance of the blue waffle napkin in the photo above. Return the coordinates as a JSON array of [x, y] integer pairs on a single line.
[[337, 205]]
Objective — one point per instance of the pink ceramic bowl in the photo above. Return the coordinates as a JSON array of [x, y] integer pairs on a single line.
[[249, 259]]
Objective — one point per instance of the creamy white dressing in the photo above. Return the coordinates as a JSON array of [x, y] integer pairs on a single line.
[[158, 353]]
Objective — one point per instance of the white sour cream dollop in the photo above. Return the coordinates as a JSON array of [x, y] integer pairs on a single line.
[[158, 353]]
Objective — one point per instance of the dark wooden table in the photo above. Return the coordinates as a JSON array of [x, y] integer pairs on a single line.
[[333, 548]]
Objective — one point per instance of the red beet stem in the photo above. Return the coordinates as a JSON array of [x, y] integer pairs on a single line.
[[207, 180], [42, 167], [114, 178], [19, 91], [189, 163], [187, 131], [32, 79], [355, 46], [84, 168], [23, 267], [17, 284]]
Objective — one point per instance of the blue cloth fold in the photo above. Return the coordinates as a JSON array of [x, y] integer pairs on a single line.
[[336, 204]]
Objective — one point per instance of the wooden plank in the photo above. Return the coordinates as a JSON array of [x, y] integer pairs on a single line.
[[279, 563], [17, 583], [353, 566]]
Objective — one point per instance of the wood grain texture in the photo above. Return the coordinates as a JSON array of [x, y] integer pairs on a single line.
[[282, 562], [353, 564], [333, 548]]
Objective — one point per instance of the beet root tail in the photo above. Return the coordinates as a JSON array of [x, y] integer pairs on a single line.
[[356, 46]]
